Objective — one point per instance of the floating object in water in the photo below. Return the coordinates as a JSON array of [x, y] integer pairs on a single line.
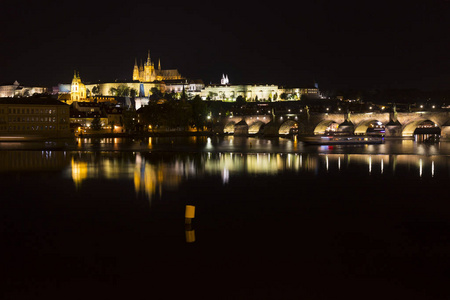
[[189, 213]]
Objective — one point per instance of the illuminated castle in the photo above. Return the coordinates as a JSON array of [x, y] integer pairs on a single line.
[[148, 72]]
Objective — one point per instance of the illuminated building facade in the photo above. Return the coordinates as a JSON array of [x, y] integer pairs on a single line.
[[148, 72], [33, 117], [17, 90], [257, 92], [231, 92], [78, 89]]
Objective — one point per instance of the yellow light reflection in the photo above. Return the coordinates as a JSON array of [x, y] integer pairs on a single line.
[[79, 172]]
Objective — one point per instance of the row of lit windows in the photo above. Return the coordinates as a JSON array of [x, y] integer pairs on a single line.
[[22, 128], [29, 111], [32, 119]]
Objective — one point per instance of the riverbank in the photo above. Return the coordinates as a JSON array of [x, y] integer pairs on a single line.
[[146, 134]]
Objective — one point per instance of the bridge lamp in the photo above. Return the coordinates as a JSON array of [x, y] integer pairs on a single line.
[[281, 118], [301, 110], [328, 109], [339, 109], [421, 106], [432, 106]]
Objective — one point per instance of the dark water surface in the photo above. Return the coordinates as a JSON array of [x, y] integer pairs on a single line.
[[275, 219]]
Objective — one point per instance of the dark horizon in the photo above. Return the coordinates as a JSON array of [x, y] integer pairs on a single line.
[[338, 45]]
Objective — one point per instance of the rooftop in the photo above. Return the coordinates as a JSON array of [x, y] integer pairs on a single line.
[[32, 100]]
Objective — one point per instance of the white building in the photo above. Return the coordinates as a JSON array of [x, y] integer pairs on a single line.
[[257, 92], [17, 90], [249, 92]]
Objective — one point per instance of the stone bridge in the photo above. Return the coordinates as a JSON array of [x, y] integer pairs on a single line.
[[395, 124]]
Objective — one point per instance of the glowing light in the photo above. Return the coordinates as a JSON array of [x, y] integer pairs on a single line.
[[420, 167]]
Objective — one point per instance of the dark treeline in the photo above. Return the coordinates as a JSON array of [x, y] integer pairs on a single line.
[[164, 111]]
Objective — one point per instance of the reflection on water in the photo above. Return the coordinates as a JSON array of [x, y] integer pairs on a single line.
[[153, 173], [33, 160]]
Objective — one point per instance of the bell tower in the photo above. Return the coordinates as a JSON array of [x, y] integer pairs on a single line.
[[135, 71]]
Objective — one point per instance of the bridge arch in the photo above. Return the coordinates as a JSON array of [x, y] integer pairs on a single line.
[[363, 126], [229, 127], [326, 126], [410, 128], [255, 127], [287, 126]]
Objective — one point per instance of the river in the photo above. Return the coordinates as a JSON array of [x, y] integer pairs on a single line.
[[274, 219]]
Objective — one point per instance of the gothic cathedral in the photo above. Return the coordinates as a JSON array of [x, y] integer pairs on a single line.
[[148, 72]]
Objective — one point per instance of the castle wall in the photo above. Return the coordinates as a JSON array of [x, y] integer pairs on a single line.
[[104, 88]]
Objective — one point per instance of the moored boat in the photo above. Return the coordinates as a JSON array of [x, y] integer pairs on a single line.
[[342, 139]]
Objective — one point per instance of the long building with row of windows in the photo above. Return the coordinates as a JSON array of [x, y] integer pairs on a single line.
[[33, 117]]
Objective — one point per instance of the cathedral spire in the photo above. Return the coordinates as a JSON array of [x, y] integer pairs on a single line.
[[148, 59], [159, 64]]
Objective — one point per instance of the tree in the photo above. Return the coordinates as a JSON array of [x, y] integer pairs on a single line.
[[216, 108], [155, 94], [240, 101], [123, 90], [113, 91], [151, 115], [211, 95], [95, 90], [199, 112], [96, 123], [129, 118]]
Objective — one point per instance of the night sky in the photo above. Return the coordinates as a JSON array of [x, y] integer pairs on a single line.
[[339, 44]]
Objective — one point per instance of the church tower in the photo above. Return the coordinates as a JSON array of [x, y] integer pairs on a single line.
[[135, 71], [149, 70], [141, 72], [77, 89]]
